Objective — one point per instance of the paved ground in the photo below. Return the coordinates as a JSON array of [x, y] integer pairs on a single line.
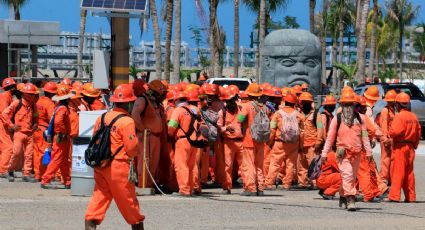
[[26, 206]]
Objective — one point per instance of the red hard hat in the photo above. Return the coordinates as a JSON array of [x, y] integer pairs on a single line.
[[170, 95], [50, 87], [138, 87], [30, 89], [297, 89], [212, 89], [291, 98], [66, 81], [193, 96], [234, 89], [306, 96], [180, 95], [123, 93], [8, 82], [243, 95], [77, 84], [228, 94]]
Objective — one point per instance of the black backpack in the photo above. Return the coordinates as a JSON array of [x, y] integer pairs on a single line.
[[98, 153], [198, 143]]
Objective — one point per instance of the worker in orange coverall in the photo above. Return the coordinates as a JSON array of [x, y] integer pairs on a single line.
[[61, 145], [307, 153], [284, 153], [385, 121], [91, 97], [148, 114], [185, 153], [6, 144], [112, 180], [45, 107], [329, 181], [21, 119], [406, 132], [171, 183], [351, 140]]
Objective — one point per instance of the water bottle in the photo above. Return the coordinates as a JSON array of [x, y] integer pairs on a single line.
[[47, 156]]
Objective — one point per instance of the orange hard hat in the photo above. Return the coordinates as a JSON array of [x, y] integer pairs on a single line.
[[123, 93], [8, 82], [212, 89], [221, 90], [201, 91], [403, 98], [191, 87], [291, 98], [362, 101], [20, 86], [175, 88], [329, 100], [304, 86], [254, 90], [77, 84], [90, 91], [348, 97], [193, 96], [138, 87], [272, 92], [50, 87], [390, 96], [66, 81], [265, 85], [243, 95], [63, 92], [30, 89], [157, 86], [183, 85], [372, 93], [347, 89], [170, 95], [234, 89], [180, 95], [285, 91], [306, 96], [297, 89], [228, 94]]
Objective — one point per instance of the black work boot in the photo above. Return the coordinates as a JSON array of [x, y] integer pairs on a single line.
[[11, 177], [138, 226], [343, 201], [351, 206], [29, 179], [90, 225]]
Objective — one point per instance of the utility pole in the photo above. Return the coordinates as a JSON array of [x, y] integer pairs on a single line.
[[120, 50]]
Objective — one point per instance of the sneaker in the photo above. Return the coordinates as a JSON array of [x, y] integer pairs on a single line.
[[351, 204], [11, 177], [29, 179], [247, 193]]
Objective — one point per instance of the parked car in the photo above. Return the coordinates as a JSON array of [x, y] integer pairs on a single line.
[[417, 104], [242, 83]]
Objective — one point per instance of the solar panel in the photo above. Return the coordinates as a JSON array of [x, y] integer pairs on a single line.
[[115, 5]]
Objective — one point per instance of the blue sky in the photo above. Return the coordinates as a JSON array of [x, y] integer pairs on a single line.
[[67, 13]]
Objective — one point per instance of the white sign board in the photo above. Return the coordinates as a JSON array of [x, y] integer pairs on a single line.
[[78, 159], [101, 69], [87, 121]]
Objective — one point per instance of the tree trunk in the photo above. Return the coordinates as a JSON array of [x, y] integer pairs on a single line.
[[361, 43], [359, 8], [323, 42], [168, 33], [312, 6], [17, 13], [262, 34], [215, 62], [157, 38], [400, 47], [334, 56], [340, 51], [236, 41], [373, 40], [83, 17], [177, 42]]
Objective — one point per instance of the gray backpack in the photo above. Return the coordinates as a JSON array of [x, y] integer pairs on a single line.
[[290, 132], [210, 130], [260, 129]]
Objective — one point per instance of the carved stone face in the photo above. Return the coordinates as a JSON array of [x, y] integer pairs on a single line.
[[292, 57]]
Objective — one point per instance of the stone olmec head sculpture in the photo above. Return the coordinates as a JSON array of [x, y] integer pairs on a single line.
[[292, 57]]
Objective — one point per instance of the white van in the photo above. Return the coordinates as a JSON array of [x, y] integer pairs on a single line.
[[241, 83]]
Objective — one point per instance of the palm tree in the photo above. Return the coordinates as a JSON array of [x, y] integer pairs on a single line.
[[348, 71], [387, 37], [262, 35], [312, 6], [177, 42], [401, 13], [157, 38], [419, 41], [213, 38], [373, 39], [236, 40], [83, 17], [321, 25], [361, 41], [16, 5], [168, 18]]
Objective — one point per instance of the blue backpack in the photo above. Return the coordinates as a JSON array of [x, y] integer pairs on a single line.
[[48, 137]]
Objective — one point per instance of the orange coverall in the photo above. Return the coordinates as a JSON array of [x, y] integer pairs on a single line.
[[354, 140], [330, 177], [111, 181], [185, 153], [171, 183], [45, 107], [151, 120], [23, 144], [286, 153], [60, 150], [233, 149], [385, 120], [97, 105], [253, 152], [6, 143], [218, 106], [308, 152], [406, 133]]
